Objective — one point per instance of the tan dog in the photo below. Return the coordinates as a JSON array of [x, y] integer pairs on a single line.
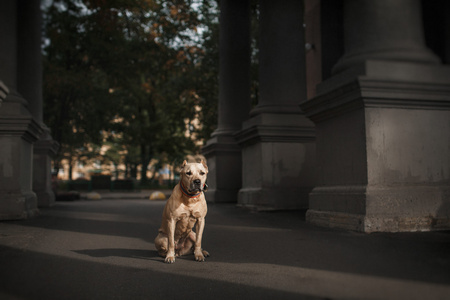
[[185, 208]]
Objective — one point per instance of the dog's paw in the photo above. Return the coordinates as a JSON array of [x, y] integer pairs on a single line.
[[200, 255], [169, 259]]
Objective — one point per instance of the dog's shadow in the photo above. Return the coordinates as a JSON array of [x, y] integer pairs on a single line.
[[121, 252]]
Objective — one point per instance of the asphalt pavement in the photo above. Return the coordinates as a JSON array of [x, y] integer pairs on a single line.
[[103, 249]]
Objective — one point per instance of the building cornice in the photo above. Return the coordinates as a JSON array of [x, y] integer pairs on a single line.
[[378, 92], [25, 127], [275, 134]]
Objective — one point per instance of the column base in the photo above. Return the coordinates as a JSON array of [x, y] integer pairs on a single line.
[[272, 199], [46, 198], [18, 206], [278, 154], [383, 140], [224, 161], [368, 224], [381, 209], [44, 149], [221, 195], [335, 220], [18, 132]]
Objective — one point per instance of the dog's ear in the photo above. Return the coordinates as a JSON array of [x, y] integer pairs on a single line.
[[183, 165], [204, 164]]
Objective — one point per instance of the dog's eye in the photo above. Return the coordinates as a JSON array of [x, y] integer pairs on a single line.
[[189, 173], [202, 173]]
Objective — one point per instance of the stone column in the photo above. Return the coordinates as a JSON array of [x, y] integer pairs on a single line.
[[18, 129], [372, 32], [383, 130], [30, 86], [222, 151], [278, 140], [3, 92]]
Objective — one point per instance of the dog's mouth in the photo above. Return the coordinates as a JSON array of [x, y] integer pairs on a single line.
[[197, 187]]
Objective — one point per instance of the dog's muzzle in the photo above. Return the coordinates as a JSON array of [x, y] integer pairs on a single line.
[[197, 185]]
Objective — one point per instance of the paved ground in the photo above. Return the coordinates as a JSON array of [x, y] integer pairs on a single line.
[[103, 249]]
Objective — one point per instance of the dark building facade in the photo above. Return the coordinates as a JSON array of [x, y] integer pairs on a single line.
[[25, 142], [354, 127], [352, 124]]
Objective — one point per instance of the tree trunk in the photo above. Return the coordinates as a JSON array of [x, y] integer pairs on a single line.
[[70, 169], [144, 161], [133, 170]]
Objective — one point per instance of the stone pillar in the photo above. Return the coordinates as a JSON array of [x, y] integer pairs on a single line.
[[278, 140], [18, 129], [30, 86], [222, 151], [29, 63], [3, 92], [383, 129], [373, 33]]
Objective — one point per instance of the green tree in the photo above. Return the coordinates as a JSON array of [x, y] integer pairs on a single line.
[[74, 93], [131, 68]]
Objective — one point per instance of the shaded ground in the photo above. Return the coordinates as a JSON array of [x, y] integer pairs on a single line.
[[104, 249]]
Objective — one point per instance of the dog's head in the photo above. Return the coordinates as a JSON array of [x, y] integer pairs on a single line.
[[193, 176]]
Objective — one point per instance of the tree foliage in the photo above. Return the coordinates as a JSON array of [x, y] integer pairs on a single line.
[[132, 72]]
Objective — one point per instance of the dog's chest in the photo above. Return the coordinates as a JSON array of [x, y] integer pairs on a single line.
[[188, 212], [186, 221]]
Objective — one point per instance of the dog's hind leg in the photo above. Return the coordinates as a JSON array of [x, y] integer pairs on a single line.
[[161, 244]]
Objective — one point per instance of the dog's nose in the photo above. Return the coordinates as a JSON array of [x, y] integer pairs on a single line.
[[197, 181]]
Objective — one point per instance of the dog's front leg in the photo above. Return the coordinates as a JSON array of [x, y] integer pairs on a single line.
[[198, 252], [170, 256]]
